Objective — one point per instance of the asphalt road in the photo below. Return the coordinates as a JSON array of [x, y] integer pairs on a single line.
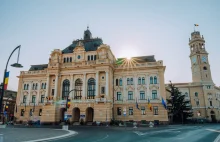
[[178, 133]]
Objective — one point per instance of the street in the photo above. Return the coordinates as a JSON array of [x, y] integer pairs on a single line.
[[175, 133], [199, 133]]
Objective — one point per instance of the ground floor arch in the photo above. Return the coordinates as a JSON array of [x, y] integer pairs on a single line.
[[89, 114], [213, 118], [76, 114], [62, 113]]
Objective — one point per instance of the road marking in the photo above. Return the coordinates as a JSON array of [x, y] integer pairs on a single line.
[[217, 139], [101, 139], [55, 138], [213, 130], [155, 132]]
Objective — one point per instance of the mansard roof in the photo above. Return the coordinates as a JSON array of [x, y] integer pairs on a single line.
[[38, 67], [89, 45]]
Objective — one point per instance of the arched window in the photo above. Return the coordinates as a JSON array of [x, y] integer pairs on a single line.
[[139, 81], [205, 68], [36, 86], [91, 88], [151, 80], [91, 57], [128, 81], [196, 94], [67, 59], [120, 82], [186, 94], [70, 59], [131, 81], [88, 58], [94, 57], [42, 86], [143, 80], [116, 82], [155, 80], [66, 88], [24, 86], [64, 60], [27, 86], [78, 89], [45, 85]]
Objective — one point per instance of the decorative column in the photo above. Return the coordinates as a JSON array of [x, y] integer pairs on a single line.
[[97, 84], [124, 88], [48, 86], [148, 86], [107, 83], [135, 87], [56, 86], [38, 93], [71, 87], [84, 86], [29, 94]]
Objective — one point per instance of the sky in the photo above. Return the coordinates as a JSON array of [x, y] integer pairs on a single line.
[[130, 27]]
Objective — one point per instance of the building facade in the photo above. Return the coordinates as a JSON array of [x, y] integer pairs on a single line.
[[8, 106], [99, 87], [203, 94]]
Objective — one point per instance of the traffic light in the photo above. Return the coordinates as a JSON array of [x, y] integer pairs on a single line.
[[68, 103], [6, 107]]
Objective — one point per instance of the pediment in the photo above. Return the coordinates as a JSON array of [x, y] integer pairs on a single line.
[[79, 49], [154, 87], [142, 87], [117, 88], [129, 88]]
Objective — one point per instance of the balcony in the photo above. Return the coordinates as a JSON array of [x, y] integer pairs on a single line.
[[131, 100], [32, 103], [33, 72], [100, 100]]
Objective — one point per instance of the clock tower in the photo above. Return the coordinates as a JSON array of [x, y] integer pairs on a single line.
[[200, 67]]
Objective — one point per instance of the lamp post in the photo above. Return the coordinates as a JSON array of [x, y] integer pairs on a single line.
[[17, 65]]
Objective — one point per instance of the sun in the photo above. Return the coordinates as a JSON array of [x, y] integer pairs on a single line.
[[128, 58]]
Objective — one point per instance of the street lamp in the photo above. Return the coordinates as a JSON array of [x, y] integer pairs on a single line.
[[17, 65]]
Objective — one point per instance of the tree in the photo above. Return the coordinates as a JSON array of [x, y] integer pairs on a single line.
[[177, 105]]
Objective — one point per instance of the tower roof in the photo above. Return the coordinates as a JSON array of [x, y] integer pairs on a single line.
[[90, 44]]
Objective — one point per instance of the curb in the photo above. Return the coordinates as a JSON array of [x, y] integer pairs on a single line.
[[71, 133]]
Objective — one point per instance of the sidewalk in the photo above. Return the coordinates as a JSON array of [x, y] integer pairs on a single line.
[[27, 134]]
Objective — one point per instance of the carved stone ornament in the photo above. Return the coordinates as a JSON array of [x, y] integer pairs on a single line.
[[142, 87], [129, 88]]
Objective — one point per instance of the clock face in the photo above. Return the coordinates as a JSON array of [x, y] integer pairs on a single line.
[[204, 59], [194, 59]]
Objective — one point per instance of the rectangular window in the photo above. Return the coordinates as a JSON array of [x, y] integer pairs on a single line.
[[154, 94], [197, 103], [24, 99], [142, 95], [155, 108], [31, 112], [33, 99], [130, 95], [103, 90], [119, 111], [143, 112], [119, 96], [52, 92], [210, 103], [94, 57], [42, 98], [22, 112], [130, 110], [40, 112]]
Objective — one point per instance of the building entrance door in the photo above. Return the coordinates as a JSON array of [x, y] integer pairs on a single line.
[[76, 114], [89, 114]]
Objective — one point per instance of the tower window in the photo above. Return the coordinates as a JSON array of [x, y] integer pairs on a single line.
[[196, 94], [204, 68], [88, 58]]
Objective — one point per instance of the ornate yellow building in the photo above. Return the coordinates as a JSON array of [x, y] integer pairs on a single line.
[[101, 88], [203, 94]]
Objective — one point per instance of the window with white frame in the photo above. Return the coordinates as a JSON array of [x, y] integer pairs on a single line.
[[142, 95], [154, 94], [143, 80], [130, 110], [139, 81], [119, 97], [143, 112], [155, 109], [130, 95], [120, 82]]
